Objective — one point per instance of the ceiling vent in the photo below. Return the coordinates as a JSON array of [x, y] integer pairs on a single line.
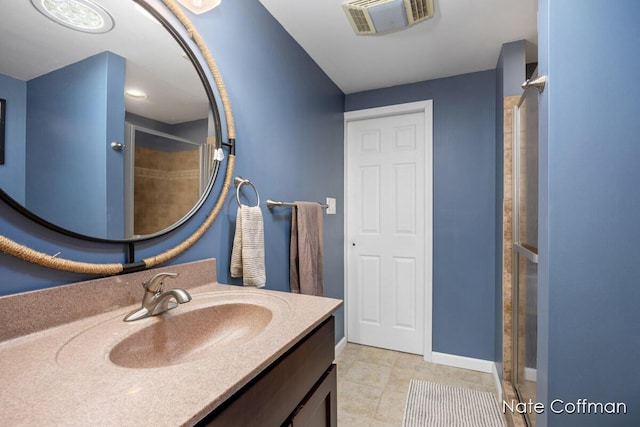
[[383, 16]]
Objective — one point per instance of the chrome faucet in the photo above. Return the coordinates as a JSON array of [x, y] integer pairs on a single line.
[[155, 301]]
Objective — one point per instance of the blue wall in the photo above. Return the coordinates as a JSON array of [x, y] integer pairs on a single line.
[[12, 174], [114, 123], [464, 138], [67, 181], [289, 126], [589, 290]]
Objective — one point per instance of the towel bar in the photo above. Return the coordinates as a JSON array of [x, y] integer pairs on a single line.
[[272, 203], [239, 182]]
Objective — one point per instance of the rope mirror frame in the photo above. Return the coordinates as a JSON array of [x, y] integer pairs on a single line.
[[28, 254]]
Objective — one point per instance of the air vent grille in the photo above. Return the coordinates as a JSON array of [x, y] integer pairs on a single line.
[[366, 3], [420, 10], [378, 16], [360, 22]]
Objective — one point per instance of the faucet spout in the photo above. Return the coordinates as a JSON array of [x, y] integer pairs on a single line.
[[170, 299], [155, 301], [180, 295]]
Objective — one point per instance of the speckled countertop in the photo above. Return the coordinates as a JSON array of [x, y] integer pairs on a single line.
[[57, 369]]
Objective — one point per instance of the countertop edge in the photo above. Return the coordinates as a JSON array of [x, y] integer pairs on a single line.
[[308, 310]]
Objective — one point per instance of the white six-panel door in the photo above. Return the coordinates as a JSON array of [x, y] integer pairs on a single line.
[[389, 245]]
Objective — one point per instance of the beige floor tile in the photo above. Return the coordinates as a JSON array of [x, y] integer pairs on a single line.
[[378, 356], [423, 372], [376, 423], [458, 377], [463, 374], [346, 419], [350, 352], [358, 399], [398, 384], [408, 359], [391, 407], [341, 369], [369, 374], [373, 384]]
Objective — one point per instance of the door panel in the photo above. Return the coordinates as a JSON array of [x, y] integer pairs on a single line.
[[386, 221], [369, 307]]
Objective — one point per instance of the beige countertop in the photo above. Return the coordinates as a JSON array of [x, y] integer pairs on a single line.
[[59, 372]]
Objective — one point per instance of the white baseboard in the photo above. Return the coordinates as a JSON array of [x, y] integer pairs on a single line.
[[463, 362], [497, 382], [530, 374], [342, 344], [480, 365]]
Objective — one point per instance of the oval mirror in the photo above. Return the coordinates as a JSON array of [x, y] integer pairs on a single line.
[[111, 133]]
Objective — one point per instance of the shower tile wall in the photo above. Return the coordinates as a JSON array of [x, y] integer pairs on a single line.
[[507, 260], [166, 187], [507, 239]]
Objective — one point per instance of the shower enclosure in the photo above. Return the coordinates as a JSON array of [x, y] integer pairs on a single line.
[[525, 243], [164, 178]]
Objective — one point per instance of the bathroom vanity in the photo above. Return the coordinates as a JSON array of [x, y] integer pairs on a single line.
[[232, 356], [297, 390]]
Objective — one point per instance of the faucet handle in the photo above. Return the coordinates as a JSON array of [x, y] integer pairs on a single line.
[[155, 283]]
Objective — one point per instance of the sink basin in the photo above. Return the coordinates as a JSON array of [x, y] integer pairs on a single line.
[[213, 326], [184, 337]]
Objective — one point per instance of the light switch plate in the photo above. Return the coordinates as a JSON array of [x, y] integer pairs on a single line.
[[331, 203]]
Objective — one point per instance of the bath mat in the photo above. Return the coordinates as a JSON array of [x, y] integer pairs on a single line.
[[434, 405]]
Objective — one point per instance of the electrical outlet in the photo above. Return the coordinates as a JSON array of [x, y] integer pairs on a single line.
[[331, 203]]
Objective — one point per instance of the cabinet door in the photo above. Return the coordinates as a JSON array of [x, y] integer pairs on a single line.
[[319, 408], [271, 398]]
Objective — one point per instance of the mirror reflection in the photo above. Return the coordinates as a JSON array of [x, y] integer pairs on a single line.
[[116, 76]]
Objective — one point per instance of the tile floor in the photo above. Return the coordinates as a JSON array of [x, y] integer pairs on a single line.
[[373, 384]]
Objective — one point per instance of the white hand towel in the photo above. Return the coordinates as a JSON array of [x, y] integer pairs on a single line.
[[236, 250], [247, 254]]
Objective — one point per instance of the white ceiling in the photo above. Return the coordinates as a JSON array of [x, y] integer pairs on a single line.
[[32, 45], [463, 36]]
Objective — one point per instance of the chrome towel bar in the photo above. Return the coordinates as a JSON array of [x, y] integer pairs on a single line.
[[272, 203]]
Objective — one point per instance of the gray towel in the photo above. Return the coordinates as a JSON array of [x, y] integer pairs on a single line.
[[306, 257], [247, 255]]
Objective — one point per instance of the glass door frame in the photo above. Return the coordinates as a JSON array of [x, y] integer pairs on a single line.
[[520, 249]]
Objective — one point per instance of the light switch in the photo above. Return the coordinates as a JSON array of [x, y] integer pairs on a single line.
[[331, 203]]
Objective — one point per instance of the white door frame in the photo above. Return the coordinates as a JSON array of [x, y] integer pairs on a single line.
[[425, 107]]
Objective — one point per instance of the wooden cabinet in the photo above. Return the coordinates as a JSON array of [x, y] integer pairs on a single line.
[[299, 389], [319, 408]]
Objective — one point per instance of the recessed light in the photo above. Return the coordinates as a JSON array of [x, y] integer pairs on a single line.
[[200, 6], [80, 15], [136, 93]]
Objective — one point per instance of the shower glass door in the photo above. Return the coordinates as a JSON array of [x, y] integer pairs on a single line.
[[525, 255], [164, 178]]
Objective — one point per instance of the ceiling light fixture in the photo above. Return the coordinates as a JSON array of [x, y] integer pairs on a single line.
[[80, 15], [199, 6], [384, 16], [136, 93]]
